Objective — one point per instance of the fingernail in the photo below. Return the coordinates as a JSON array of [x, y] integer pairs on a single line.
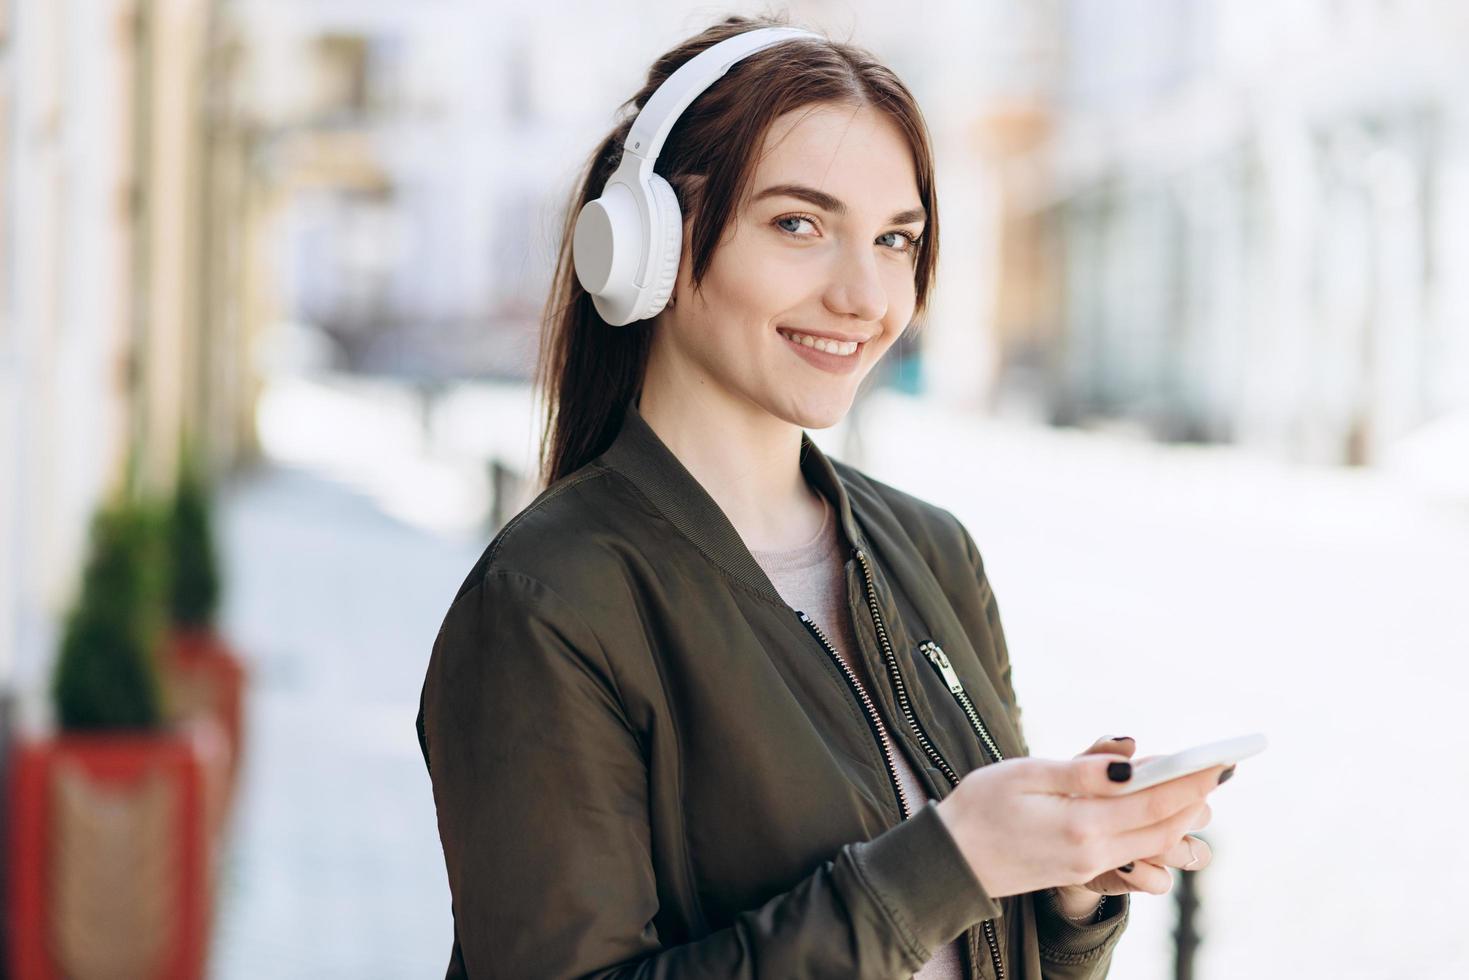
[[1122, 738], [1119, 772], [1226, 774], [1126, 867]]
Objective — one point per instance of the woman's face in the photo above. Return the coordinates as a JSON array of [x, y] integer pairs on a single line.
[[822, 246]]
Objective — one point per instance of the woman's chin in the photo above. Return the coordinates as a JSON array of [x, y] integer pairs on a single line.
[[819, 415]]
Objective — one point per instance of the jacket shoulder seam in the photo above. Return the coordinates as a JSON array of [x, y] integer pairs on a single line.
[[510, 573], [592, 471], [601, 470]]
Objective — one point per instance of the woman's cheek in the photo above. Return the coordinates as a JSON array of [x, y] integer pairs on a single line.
[[777, 275]]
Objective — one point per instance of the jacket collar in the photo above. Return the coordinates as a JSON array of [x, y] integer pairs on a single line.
[[640, 455]]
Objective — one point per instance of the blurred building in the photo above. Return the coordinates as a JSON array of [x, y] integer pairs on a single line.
[[125, 218], [419, 159], [1241, 227], [410, 169]]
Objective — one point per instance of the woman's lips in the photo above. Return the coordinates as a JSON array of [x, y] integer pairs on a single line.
[[831, 363]]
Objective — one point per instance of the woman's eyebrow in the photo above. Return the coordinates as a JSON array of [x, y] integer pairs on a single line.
[[826, 202]]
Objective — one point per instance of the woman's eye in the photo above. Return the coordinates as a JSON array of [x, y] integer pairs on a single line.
[[792, 217], [909, 242]]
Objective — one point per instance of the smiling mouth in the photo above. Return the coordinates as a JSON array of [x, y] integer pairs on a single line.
[[840, 348]]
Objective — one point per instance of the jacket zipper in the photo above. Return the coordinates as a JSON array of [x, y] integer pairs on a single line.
[[940, 661], [870, 709], [891, 660]]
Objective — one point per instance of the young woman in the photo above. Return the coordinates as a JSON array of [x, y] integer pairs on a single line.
[[715, 704]]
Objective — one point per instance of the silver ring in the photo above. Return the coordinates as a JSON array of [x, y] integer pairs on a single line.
[[1191, 856]]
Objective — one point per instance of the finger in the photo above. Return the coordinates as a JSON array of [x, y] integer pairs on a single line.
[[1206, 813], [1120, 745], [1149, 806], [1146, 876], [1190, 854], [1114, 881], [1158, 838], [1202, 821], [1086, 775]]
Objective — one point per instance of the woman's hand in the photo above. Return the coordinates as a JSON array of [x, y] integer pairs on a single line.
[[1149, 874], [1025, 824]]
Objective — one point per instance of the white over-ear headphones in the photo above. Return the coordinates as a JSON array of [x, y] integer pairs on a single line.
[[627, 241]]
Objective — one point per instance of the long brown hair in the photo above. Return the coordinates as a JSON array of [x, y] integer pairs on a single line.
[[590, 371]]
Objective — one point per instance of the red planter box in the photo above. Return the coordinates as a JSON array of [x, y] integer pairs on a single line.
[[111, 854], [204, 677]]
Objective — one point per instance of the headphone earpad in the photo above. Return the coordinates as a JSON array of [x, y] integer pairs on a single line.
[[670, 245]]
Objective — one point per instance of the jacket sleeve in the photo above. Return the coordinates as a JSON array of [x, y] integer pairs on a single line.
[[1068, 951], [541, 790]]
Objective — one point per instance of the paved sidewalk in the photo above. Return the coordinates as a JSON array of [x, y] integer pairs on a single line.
[[335, 868]]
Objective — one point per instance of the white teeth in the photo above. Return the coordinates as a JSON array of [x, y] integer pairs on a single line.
[[838, 347]]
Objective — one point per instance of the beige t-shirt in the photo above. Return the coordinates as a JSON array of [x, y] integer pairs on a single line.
[[811, 578]]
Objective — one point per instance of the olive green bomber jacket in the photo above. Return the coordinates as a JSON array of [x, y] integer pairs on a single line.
[[646, 764]]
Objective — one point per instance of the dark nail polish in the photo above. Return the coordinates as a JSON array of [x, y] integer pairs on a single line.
[[1226, 774], [1126, 867], [1123, 738], [1119, 772]]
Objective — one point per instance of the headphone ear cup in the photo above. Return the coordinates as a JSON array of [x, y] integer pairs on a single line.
[[606, 246], [670, 246]]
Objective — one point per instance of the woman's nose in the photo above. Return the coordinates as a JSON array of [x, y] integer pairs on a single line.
[[856, 288]]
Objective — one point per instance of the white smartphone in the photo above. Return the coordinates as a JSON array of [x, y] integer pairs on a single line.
[[1222, 753]]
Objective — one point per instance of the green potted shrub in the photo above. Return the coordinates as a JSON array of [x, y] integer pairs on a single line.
[[203, 677], [106, 675], [194, 583], [110, 858]]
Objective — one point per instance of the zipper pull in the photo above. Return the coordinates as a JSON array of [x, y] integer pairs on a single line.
[[941, 660]]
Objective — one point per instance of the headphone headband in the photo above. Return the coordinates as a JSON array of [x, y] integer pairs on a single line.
[[665, 105], [626, 244]]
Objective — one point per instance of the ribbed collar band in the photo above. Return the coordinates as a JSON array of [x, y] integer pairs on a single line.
[[640, 455]]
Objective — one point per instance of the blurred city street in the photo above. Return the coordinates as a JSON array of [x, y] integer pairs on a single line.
[[1193, 371], [335, 868], [1143, 589]]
